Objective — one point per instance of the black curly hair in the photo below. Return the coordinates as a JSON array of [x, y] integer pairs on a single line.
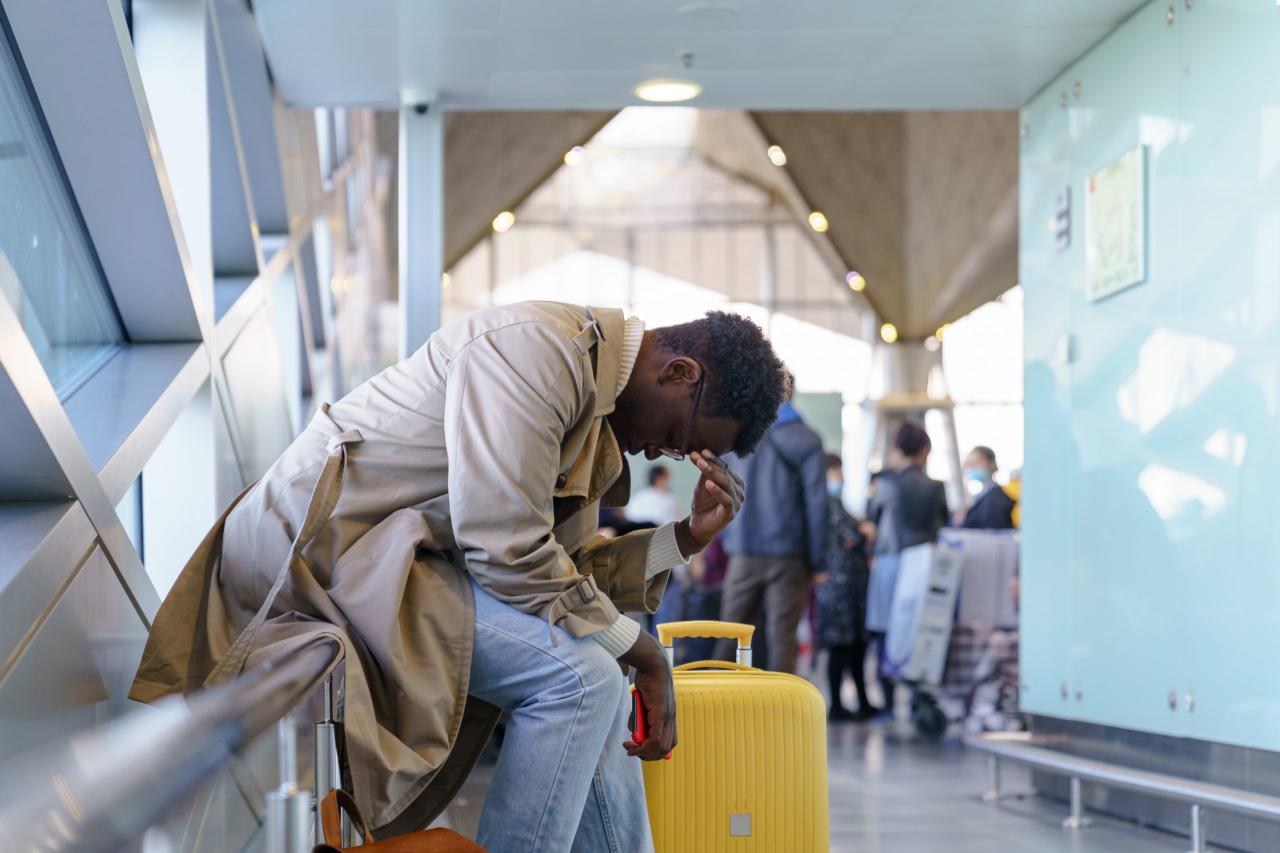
[[911, 439], [745, 378]]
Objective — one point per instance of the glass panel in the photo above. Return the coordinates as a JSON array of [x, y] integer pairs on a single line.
[[325, 142], [1125, 508], [341, 135], [181, 488], [75, 672], [293, 351], [58, 291], [130, 512], [1221, 439], [1048, 521], [257, 387], [353, 207]]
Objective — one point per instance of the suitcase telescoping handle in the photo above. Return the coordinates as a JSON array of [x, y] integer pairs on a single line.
[[669, 631]]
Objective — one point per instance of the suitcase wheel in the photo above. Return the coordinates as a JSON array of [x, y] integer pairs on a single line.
[[930, 720]]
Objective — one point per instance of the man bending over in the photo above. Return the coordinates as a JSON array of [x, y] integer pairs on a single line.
[[438, 525]]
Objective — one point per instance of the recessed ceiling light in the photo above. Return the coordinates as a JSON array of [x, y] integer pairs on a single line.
[[932, 344], [855, 281], [574, 156], [942, 331], [665, 90], [503, 221], [818, 221], [777, 156], [888, 333], [709, 10]]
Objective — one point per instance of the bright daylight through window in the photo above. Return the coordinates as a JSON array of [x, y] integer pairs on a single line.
[[48, 270]]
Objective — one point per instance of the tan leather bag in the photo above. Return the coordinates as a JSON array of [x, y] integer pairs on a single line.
[[422, 841]]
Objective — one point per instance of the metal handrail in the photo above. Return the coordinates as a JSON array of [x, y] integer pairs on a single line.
[[1019, 748], [106, 788]]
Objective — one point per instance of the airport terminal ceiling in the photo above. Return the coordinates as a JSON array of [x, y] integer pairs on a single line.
[[566, 54], [903, 134], [923, 205]]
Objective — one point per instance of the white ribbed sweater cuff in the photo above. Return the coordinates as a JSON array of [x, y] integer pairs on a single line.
[[619, 637], [663, 553]]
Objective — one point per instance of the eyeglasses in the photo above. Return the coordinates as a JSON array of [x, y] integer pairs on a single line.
[[679, 455]]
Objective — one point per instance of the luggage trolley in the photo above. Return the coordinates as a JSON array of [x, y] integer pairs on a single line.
[[953, 631]]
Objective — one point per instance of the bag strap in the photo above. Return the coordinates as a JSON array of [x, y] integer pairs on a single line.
[[324, 497], [335, 803]]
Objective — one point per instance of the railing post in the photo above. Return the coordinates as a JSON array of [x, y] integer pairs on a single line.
[[992, 795], [328, 771], [288, 818], [1077, 820], [1197, 829]]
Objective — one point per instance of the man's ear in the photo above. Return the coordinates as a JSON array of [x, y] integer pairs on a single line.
[[680, 370]]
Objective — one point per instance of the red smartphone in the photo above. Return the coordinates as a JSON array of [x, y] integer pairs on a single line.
[[641, 730]]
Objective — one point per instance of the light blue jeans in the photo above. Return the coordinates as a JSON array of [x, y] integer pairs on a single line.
[[563, 780]]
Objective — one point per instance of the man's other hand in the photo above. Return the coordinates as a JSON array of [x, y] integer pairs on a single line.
[[716, 500], [653, 682]]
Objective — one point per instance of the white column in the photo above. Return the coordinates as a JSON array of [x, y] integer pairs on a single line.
[[903, 372], [421, 205]]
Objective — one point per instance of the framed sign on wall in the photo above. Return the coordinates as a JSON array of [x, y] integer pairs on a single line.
[[1115, 224]]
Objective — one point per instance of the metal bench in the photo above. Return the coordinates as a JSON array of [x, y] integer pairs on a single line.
[[1019, 748]]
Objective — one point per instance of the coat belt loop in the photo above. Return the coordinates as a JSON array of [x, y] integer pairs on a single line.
[[342, 439], [590, 335], [583, 592]]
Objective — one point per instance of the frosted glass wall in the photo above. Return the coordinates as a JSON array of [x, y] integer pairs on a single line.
[[1151, 587]]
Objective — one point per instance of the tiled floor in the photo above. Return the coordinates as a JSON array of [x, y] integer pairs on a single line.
[[892, 793]]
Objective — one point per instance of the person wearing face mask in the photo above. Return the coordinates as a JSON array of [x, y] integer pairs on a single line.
[[992, 507], [841, 601]]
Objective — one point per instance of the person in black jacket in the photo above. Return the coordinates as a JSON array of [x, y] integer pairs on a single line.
[[841, 601], [992, 509], [779, 539], [908, 509]]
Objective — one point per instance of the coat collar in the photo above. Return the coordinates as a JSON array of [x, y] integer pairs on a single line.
[[610, 326], [983, 495], [598, 464]]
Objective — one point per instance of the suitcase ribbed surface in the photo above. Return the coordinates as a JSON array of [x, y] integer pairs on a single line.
[[750, 744]]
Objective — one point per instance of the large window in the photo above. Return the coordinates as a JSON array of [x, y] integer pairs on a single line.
[[982, 359], [48, 270]]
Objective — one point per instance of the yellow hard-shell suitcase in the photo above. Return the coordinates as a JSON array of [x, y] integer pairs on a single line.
[[749, 772]]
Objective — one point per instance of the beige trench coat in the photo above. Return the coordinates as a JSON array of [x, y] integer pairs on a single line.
[[486, 452]]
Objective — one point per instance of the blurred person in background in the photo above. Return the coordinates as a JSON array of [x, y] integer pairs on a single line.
[[702, 600], [841, 599], [779, 539], [992, 508], [655, 504], [614, 523], [909, 508], [1014, 491]]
